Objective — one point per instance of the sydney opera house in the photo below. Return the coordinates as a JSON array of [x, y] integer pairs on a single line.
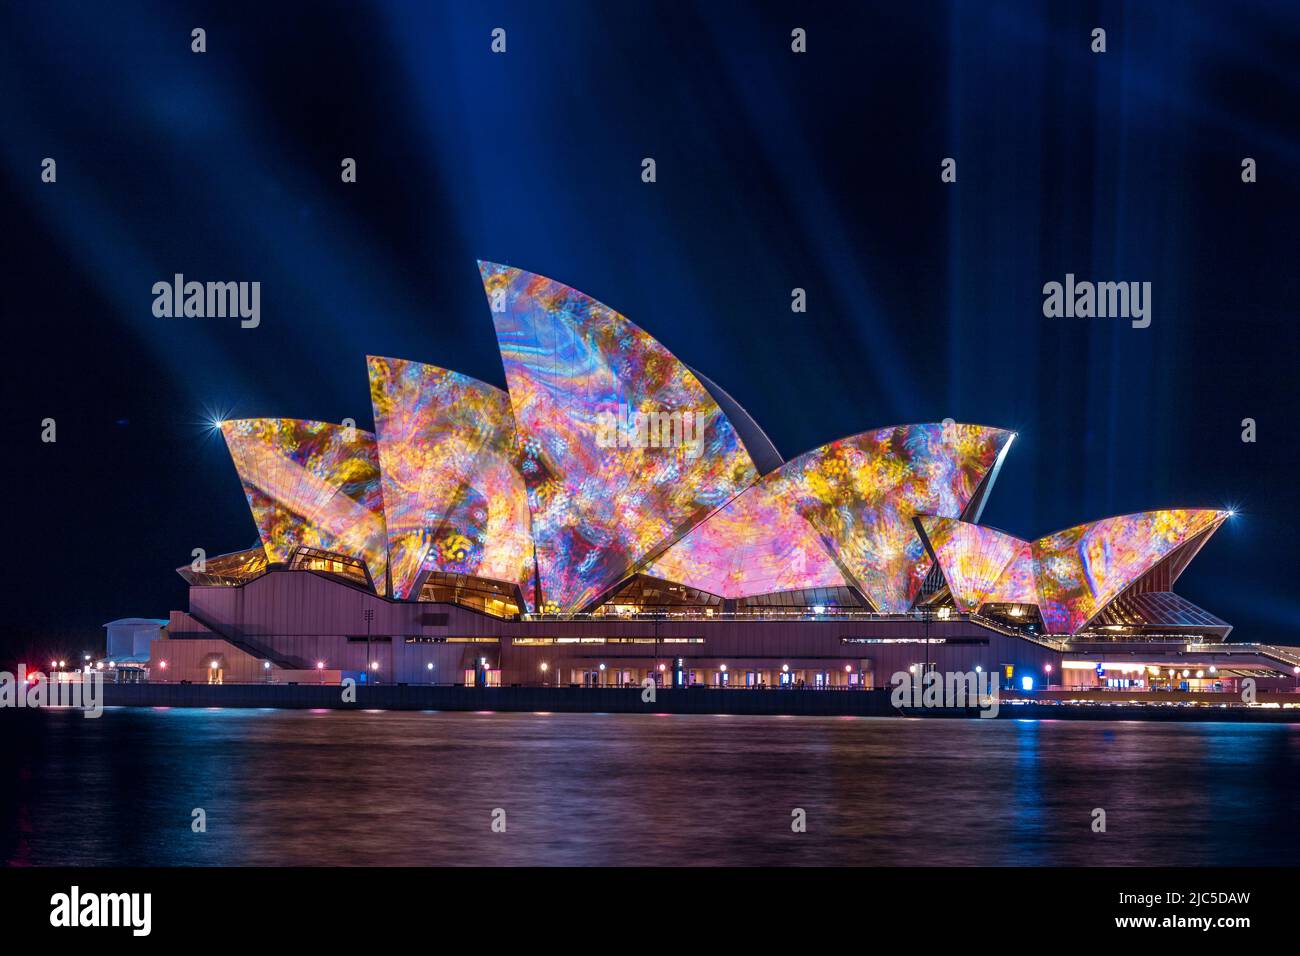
[[615, 515]]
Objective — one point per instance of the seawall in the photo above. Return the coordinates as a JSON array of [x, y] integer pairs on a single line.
[[824, 703]]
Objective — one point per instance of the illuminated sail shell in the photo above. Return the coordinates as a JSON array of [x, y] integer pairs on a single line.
[[1019, 582], [311, 484], [454, 498], [1080, 570], [757, 544], [1071, 575], [861, 494], [600, 510], [980, 565]]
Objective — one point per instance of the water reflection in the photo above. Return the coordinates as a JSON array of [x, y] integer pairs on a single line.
[[298, 787]]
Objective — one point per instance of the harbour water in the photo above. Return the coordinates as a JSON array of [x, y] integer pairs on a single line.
[[424, 788]]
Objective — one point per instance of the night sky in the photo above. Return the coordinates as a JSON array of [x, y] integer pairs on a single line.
[[775, 171]]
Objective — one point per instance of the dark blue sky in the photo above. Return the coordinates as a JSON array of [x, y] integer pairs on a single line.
[[774, 171]]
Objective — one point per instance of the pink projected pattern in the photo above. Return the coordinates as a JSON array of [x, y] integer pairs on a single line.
[[1082, 569], [757, 544], [311, 484], [454, 499], [1018, 584], [598, 512], [981, 565]]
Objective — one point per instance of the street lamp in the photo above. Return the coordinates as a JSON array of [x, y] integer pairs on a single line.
[[545, 668], [926, 613], [368, 615]]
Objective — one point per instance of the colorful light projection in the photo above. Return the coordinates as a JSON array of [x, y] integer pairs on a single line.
[[861, 493], [981, 565], [599, 511], [757, 544], [1082, 569], [454, 499], [1071, 575], [850, 502], [1018, 584], [311, 484]]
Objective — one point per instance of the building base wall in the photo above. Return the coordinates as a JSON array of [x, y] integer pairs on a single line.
[[302, 621]]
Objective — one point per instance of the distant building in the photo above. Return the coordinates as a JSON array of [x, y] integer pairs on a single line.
[[128, 646]]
